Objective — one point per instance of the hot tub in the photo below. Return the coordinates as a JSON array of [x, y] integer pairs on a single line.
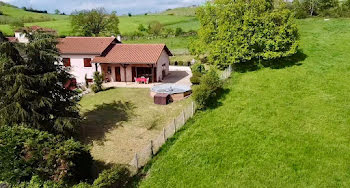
[[176, 92]]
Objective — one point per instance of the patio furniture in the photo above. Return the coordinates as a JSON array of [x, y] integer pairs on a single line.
[[142, 80]]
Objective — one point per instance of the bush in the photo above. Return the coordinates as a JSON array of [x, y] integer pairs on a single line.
[[180, 63], [155, 28], [206, 92], [198, 67], [98, 80], [114, 177], [1, 13], [25, 153], [178, 31], [196, 78]]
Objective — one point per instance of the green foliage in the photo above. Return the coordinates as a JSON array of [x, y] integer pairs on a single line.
[[37, 182], [31, 87], [114, 177], [129, 14], [178, 31], [141, 28], [98, 81], [25, 153], [198, 67], [57, 11], [196, 78], [95, 22], [205, 93], [155, 28], [230, 35], [1, 13], [17, 24]]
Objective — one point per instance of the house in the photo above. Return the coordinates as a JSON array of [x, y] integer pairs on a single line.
[[116, 61], [20, 35]]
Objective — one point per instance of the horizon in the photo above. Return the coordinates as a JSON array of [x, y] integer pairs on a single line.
[[122, 7]]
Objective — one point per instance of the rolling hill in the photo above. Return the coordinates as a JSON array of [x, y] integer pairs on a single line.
[[182, 17]]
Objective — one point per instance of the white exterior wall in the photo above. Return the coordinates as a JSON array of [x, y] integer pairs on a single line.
[[21, 37], [77, 68], [163, 60]]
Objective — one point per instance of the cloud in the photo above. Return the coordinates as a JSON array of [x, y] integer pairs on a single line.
[[121, 6]]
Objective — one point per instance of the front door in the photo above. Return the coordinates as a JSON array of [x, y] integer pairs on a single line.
[[118, 78]]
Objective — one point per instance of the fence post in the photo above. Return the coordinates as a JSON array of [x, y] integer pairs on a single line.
[[192, 109], [183, 115], [137, 161], [152, 151], [174, 126], [164, 136]]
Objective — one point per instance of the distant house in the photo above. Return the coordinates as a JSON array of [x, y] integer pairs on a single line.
[[20, 35], [116, 61]]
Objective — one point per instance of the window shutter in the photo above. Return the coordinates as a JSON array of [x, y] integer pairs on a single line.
[[87, 62]]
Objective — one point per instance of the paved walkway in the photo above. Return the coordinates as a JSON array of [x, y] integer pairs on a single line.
[[179, 75]]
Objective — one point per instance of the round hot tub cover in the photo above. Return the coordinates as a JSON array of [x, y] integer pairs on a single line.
[[170, 89]]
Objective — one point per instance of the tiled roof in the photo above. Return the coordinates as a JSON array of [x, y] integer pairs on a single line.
[[12, 39], [35, 28], [84, 45], [133, 54]]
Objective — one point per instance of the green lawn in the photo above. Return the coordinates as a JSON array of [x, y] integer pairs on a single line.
[[122, 121], [287, 127]]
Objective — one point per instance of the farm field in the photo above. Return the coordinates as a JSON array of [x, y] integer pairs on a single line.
[[127, 24], [122, 121], [283, 126]]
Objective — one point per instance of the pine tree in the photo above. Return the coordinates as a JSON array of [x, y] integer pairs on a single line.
[[31, 87]]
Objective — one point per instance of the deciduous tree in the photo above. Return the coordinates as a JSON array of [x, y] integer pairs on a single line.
[[95, 22], [245, 30]]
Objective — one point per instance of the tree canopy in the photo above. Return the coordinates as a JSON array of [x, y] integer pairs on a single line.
[[95, 22], [241, 31], [31, 87]]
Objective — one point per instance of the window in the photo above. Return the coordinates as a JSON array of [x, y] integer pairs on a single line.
[[87, 62], [66, 62]]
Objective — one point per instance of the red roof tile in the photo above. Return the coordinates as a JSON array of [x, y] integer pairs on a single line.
[[84, 45], [12, 39], [35, 28], [133, 54]]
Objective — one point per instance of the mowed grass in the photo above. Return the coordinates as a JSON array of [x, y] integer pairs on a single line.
[[287, 127], [120, 122]]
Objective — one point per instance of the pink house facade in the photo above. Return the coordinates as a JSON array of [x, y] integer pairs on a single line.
[[116, 61]]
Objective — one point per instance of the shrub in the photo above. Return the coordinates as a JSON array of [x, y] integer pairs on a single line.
[[98, 80], [141, 28], [114, 177], [180, 63], [129, 14], [1, 13], [155, 28], [36, 182], [196, 77], [25, 153], [198, 67], [206, 92], [178, 31]]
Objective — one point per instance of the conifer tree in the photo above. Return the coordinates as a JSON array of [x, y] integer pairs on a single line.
[[31, 87]]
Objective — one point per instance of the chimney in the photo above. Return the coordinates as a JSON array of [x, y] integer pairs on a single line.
[[119, 38]]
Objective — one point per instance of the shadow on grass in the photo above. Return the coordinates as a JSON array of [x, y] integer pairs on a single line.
[[103, 118], [216, 101], [294, 60]]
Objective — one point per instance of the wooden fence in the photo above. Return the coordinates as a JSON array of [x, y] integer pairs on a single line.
[[142, 157]]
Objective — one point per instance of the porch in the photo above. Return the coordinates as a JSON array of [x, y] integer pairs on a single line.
[[177, 75], [128, 73]]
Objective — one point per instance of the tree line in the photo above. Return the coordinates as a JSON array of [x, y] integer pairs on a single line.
[[324, 8]]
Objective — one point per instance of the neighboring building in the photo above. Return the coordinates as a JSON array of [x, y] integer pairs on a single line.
[[20, 35], [116, 61]]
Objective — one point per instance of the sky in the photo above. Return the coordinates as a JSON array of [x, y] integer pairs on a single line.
[[121, 6]]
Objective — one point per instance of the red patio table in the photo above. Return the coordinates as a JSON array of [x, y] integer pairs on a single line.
[[144, 80]]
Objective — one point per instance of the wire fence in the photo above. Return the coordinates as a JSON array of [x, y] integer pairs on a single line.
[[142, 157]]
